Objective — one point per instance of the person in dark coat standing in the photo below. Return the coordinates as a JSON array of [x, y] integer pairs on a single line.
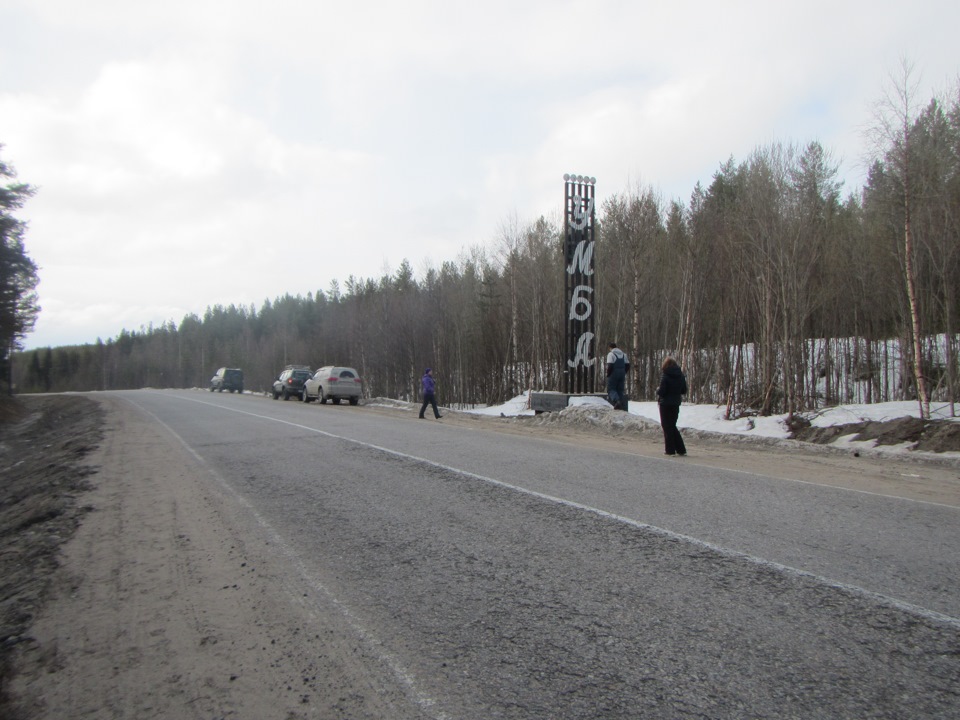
[[429, 394], [673, 386], [617, 368]]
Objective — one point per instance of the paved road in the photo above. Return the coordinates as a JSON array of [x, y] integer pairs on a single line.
[[499, 576]]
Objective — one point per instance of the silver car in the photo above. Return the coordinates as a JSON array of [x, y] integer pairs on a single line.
[[333, 383]]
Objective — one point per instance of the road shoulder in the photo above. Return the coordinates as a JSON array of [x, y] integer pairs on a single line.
[[173, 595]]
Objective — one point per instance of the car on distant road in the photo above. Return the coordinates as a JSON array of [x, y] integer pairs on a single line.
[[227, 379], [289, 383], [334, 383]]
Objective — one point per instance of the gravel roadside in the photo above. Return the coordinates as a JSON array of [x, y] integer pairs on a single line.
[[45, 472]]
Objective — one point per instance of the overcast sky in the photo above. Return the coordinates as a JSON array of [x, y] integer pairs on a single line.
[[188, 153]]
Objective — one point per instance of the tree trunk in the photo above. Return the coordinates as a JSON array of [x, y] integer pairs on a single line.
[[922, 396]]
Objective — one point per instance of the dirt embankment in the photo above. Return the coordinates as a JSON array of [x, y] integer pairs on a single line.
[[43, 476], [937, 436]]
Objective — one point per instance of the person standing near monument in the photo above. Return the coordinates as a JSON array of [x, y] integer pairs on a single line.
[[673, 386], [617, 366]]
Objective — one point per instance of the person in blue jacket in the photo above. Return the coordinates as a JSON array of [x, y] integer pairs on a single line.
[[429, 394], [673, 386]]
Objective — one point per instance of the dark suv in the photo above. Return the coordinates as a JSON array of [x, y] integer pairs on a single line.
[[227, 379], [290, 381]]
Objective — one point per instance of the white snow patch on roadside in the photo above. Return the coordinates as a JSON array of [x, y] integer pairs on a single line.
[[710, 418]]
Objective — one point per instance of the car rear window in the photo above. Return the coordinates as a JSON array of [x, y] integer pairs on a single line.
[[346, 374]]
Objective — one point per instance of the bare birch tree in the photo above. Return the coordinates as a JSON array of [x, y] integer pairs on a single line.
[[891, 135]]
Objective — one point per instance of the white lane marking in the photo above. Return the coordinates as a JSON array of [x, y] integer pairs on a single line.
[[685, 461], [403, 676], [727, 552]]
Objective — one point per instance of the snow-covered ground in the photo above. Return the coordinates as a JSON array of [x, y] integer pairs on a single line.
[[710, 417]]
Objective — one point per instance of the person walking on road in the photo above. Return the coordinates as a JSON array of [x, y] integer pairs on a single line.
[[429, 394], [673, 386], [617, 367]]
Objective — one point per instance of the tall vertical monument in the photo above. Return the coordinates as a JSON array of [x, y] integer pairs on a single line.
[[581, 364]]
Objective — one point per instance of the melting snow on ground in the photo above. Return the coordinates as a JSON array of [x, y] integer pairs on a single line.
[[710, 417]]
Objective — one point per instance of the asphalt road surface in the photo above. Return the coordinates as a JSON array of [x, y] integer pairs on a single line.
[[466, 572]]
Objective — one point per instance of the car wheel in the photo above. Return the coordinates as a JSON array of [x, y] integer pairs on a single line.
[[323, 396], [303, 396], [276, 395], [211, 389], [336, 401], [354, 400]]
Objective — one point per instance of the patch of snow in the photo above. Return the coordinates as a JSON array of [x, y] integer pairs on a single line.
[[520, 405], [848, 442], [709, 418], [880, 412], [587, 401]]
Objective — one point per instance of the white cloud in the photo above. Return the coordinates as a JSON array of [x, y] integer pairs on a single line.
[[185, 152]]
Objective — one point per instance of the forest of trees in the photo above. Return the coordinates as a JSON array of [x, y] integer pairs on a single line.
[[777, 290], [18, 272]]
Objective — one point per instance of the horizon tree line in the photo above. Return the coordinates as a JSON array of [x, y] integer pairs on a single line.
[[775, 292]]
